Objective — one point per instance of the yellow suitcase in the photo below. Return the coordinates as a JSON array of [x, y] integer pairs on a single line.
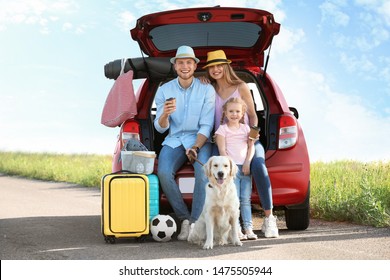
[[125, 206]]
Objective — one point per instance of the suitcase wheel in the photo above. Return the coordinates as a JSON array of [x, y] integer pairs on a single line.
[[109, 239], [141, 239]]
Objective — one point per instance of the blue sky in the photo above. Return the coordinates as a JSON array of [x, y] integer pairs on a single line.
[[331, 59]]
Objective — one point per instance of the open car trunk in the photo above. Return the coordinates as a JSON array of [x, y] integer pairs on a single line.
[[244, 34]]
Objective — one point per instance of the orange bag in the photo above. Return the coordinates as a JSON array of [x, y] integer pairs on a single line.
[[121, 103]]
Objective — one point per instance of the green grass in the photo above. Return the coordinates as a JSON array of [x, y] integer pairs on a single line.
[[340, 191], [351, 191], [85, 170]]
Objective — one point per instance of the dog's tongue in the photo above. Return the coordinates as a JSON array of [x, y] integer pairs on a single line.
[[220, 181]]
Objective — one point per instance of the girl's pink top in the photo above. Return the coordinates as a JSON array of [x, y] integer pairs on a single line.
[[236, 141], [219, 102]]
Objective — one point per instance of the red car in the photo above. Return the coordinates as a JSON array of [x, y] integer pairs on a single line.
[[244, 34]]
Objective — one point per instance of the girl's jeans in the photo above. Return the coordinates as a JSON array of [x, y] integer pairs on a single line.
[[244, 191]]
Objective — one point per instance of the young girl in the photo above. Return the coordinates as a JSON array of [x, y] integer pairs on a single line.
[[233, 141]]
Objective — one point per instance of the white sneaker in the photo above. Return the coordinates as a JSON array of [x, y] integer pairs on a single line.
[[250, 234], [242, 236], [269, 227], [185, 230]]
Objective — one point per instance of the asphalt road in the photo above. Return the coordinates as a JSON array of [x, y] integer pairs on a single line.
[[60, 221]]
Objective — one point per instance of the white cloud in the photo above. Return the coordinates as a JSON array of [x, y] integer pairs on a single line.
[[373, 31], [380, 34], [287, 39], [126, 20], [384, 11], [361, 65], [385, 71], [380, 7], [67, 26], [34, 12], [331, 12]]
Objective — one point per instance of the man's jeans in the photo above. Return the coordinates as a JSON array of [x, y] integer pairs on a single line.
[[169, 162]]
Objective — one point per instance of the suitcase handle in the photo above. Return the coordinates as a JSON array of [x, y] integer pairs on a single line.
[[123, 171], [127, 172]]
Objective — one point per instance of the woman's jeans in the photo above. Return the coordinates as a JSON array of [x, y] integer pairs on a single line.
[[260, 175], [169, 162], [244, 191]]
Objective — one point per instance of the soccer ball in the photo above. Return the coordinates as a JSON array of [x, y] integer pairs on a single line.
[[162, 228]]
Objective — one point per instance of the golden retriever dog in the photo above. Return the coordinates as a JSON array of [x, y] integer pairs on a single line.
[[218, 222]]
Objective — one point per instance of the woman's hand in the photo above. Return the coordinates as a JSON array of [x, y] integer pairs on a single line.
[[204, 80]]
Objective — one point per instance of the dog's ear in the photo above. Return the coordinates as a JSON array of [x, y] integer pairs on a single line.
[[233, 168], [207, 167]]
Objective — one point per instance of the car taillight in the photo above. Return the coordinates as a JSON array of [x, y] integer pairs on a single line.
[[130, 129], [288, 132]]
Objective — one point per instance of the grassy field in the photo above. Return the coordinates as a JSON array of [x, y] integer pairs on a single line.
[[351, 191], [340, 191], [85, 170]]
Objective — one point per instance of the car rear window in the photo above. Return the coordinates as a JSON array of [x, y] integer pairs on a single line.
[[210, 34]]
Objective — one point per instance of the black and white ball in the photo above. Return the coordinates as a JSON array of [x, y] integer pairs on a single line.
[[162, 228]]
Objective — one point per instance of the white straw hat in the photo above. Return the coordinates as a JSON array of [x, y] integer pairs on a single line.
[[184, 52]]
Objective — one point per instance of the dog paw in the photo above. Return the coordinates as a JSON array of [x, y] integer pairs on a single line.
[[237, 243], [208, 246], [222, 242]]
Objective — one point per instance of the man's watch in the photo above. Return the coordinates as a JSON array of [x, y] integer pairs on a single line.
[[196, 148]]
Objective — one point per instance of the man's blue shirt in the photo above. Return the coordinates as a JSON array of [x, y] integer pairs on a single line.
[[194, 112]]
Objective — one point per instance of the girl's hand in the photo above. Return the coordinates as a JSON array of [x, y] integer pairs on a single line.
[[246, 168]]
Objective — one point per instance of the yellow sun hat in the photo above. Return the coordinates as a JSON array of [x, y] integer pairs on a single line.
[[215, 58]]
